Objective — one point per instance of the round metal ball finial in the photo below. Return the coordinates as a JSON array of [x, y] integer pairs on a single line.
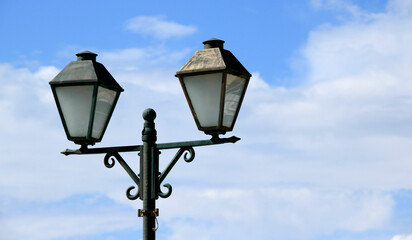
[[149, 114]]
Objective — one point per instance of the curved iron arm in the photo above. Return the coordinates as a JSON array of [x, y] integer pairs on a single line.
[[186, 150], [109, 163]]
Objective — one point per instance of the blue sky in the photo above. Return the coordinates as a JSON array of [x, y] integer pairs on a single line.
[[325, 125]]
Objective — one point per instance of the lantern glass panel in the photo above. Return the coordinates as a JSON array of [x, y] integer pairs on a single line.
[[104, 108], [75, 104], [234, 89], [204, 93]]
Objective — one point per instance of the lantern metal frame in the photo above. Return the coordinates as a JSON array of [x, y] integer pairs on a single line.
[[223, 62], [98, 76]]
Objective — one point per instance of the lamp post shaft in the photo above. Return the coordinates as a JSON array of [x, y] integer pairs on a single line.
[[149, 169]]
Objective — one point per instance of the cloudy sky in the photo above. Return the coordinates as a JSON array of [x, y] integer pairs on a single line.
[[326, 125]]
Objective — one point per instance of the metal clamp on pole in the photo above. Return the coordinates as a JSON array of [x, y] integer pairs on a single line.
[[142, 213]]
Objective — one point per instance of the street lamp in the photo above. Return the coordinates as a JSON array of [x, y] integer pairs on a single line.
[[214, 83], [85, 94]]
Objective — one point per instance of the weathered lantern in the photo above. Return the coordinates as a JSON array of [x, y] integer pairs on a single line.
[[214, 83], [86, 95]]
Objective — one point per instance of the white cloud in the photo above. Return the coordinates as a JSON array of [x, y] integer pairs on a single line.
[[341, 5], [52, 224], [158, 27], [402, 237], [271, 213], [152, 68], [402, 8], [358, 47], [19, 89], [354, 109]]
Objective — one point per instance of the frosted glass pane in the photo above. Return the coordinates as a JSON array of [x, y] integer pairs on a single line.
[[204, 93], [104, 102], [234, 89], [75, 103]]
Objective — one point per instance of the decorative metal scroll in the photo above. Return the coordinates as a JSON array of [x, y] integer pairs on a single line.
[[109, 163], [189, 155], [185, 149]]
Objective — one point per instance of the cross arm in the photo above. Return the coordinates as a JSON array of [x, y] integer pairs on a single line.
[[137, 148]]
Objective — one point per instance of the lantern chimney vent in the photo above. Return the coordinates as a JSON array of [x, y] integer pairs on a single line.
[[86, 55], [213, 43]]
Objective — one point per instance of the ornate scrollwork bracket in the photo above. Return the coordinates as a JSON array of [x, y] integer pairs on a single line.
[[109, 163], [188, 155], [185, 149]]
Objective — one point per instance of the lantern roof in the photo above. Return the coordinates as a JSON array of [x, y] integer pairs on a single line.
[[213, 58], [86, 70]]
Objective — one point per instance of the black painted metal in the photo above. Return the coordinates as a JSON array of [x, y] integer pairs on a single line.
[[85, 150], [85, 72], [109, 163], [137, 148], [150, 179], [188, 150], [148, 174]]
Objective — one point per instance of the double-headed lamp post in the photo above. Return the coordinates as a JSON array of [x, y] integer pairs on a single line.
[[214, 83]]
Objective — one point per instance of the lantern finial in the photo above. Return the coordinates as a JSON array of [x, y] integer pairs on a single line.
[[213, 43], [86, 55]]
